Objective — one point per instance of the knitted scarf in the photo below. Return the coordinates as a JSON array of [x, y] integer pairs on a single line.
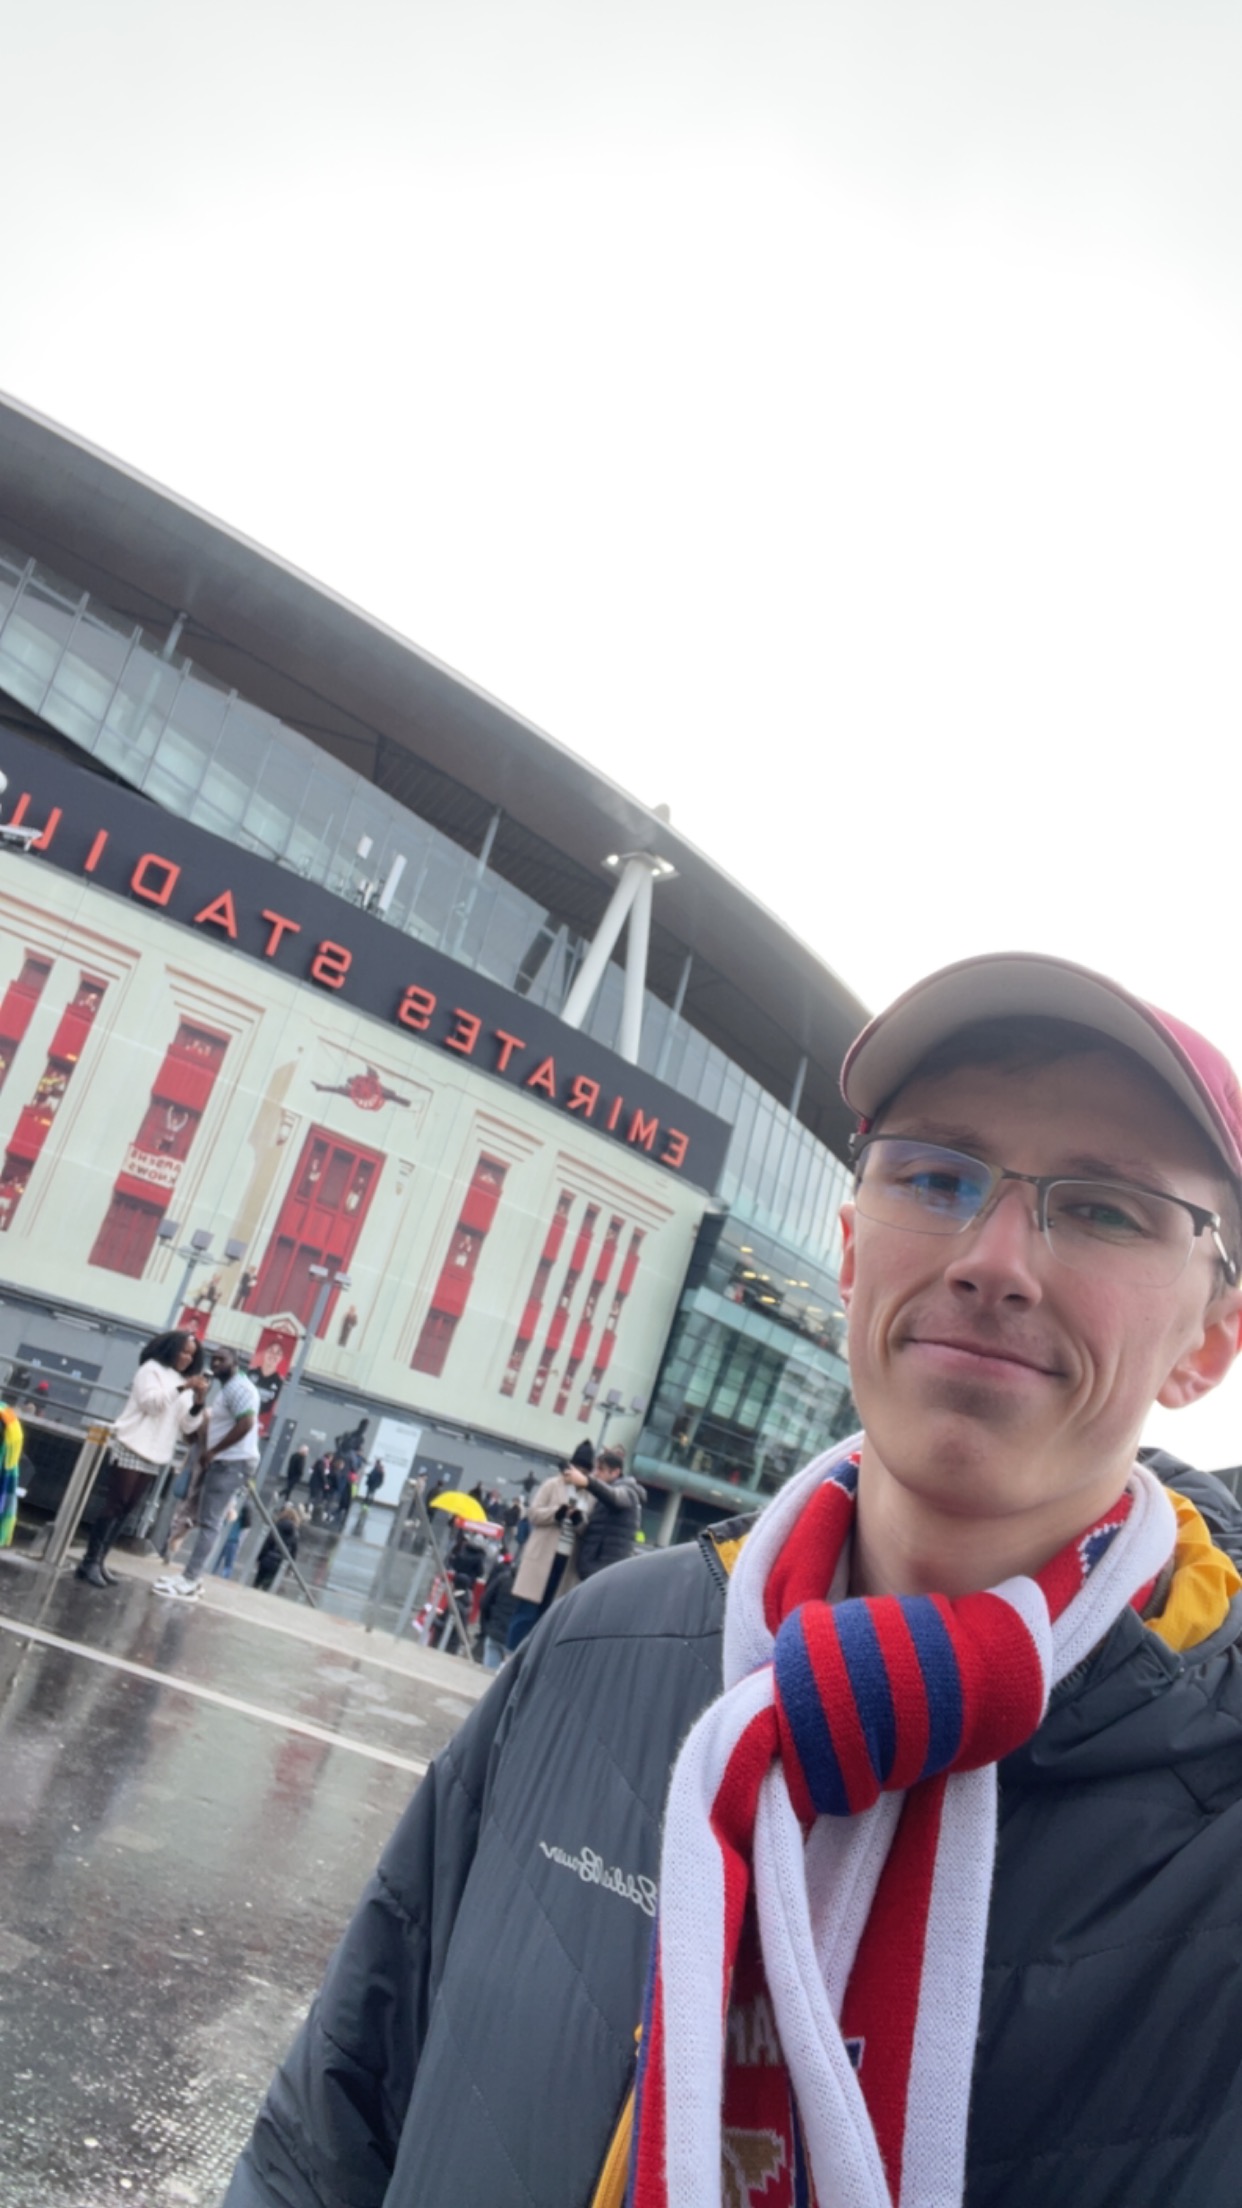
[[11, 1439], [843, 1788]]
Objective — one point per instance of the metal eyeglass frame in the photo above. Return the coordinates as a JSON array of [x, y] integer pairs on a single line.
[[1205, 1222]]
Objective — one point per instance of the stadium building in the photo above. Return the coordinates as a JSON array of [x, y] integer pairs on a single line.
[[334, 996]]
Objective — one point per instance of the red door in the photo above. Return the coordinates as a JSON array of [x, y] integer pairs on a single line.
[[319, 1224]]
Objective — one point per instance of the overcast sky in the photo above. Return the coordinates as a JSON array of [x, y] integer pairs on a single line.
[[823, 417]]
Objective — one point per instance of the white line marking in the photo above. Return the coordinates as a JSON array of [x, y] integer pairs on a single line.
[[212, 1694]]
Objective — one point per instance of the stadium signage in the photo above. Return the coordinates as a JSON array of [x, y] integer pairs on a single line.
[[123, 843]]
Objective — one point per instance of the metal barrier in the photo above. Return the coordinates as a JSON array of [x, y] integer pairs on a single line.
[[73, 1502], [67, 1408]]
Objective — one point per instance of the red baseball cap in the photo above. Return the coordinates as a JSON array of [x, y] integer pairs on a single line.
[[1005, 984]]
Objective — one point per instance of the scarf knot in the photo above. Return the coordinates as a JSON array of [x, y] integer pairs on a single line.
[[876, 1693]]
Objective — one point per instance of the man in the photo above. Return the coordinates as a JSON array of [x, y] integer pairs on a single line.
[[948, 1900], [610, 1532], [230, 1453]]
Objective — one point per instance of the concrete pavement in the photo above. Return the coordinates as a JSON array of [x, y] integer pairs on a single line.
[[193, 1797]]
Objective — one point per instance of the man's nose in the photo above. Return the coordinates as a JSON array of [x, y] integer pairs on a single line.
[[999, 1256]]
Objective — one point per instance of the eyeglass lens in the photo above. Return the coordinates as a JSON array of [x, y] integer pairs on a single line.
[[1095, 1226]]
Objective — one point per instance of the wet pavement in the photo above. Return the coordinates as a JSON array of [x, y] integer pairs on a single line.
[[192, 1799]]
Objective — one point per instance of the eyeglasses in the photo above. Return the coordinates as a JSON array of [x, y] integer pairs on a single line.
[[1102, 1227]]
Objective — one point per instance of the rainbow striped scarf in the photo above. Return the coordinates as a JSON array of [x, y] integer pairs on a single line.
[[841, 1794]]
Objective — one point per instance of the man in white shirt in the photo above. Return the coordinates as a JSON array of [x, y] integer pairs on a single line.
[[230, 1452]]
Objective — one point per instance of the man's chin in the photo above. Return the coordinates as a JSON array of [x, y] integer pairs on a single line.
[[960, 1462]]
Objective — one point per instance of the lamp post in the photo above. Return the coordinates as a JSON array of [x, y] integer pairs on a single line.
[[198, 1253], [613, 1405]]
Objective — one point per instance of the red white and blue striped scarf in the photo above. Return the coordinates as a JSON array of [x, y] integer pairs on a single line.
[[841, 1794]]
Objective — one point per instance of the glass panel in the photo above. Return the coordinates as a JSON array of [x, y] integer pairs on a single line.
[[656, 1017], [87, 677], [200, 809], [184, 750], [407, 844], [679, 1034], [687, 1068], [470, 930], [797, 1193], [773, 1156], [139, 708], [35, 635], [712, 1079], [730, 1094], [814, 1199], [514, 922], [244, 739], [274, 801], [435, 902], [325, 800], [731, 1179], [12, 571], [756, 1149]]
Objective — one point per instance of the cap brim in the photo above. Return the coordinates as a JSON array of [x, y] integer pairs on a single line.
[[1014, 984]]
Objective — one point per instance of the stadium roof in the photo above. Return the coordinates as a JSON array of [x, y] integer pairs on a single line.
[[434, 740]]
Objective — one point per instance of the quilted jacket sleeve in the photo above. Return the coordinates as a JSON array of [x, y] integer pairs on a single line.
[[327, 2134]]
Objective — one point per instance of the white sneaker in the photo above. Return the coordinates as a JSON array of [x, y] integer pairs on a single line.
[[185, 1590]]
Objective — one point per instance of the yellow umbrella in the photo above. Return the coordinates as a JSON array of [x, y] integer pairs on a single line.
[[461, 1506]]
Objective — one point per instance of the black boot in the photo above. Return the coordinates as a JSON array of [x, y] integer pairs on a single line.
[[111, 1534], [103, 1534]]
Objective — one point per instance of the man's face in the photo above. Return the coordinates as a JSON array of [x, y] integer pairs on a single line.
[[223, 1363], [991, 1378]]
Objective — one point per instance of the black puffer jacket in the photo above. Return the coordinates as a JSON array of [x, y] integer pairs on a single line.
[[474, 2039], [609, 1533]]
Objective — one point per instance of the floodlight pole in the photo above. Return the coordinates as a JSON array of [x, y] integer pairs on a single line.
[[196, 1255], [193, 1259], [637, 873]]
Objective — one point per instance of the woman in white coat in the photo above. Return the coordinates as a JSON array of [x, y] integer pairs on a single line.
[[164, 1405]]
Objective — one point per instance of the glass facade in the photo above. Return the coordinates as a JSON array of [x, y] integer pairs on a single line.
[[754, 1381], [753, 1368]]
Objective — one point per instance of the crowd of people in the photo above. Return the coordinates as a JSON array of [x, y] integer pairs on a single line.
[[587, 1514], [336, 1480], [169, 1409]]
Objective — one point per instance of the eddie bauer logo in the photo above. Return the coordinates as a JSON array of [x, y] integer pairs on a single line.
[[593, 1871]]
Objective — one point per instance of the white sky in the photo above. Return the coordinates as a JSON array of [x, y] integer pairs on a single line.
[[822, 416]]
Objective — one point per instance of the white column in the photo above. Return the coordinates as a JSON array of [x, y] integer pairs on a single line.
[[591, 972], [637, 939]]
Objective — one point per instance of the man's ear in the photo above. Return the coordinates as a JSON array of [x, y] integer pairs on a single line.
[[845, 1278], [1208, 1361]]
